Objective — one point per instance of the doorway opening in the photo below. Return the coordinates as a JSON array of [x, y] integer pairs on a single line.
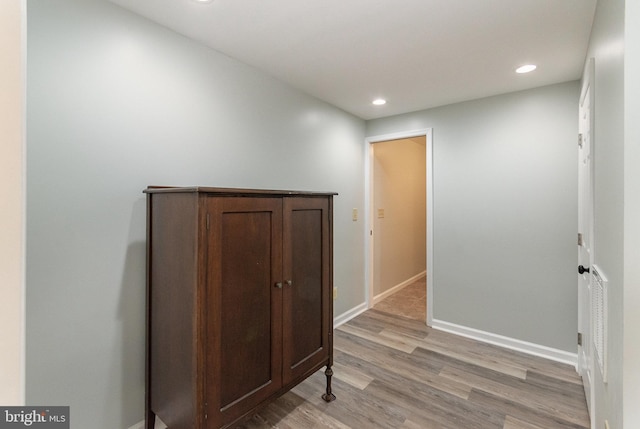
[[399, 223]]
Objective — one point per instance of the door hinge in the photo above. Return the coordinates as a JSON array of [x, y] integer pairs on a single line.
[[579, 338], [580, 241], [580, 140]]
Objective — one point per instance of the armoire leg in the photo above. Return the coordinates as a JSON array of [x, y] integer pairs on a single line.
[[150, 421], [328, 397]]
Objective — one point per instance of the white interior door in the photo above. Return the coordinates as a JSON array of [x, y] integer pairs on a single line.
[[585, 240]]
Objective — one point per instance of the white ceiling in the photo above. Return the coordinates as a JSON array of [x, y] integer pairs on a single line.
[[415, 53]]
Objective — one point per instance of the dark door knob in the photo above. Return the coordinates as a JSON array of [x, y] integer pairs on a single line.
[[582, 269]]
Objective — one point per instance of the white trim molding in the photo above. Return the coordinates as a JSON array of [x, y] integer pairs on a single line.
[[368, 194], [141, 425], [508, 343], [350, 314], [13, 15]]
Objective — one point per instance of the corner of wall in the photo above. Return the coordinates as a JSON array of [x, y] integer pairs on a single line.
[[12, 214]]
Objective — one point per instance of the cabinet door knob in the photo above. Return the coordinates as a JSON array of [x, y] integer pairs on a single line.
[[289, 282], [279, 285]]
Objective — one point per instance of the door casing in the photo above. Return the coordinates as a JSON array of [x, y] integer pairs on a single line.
[[369, 238]]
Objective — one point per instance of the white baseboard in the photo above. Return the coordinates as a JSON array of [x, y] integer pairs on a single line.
[[345, 317], [396, 288], [509, 343], [158, 425]]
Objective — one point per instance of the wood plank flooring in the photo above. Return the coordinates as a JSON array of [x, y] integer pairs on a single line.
[[394, 372]]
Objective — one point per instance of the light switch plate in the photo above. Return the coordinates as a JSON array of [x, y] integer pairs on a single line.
[[380, 213], [354, 215]]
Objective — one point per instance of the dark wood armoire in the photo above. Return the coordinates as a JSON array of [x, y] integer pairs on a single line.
[[239, 300]]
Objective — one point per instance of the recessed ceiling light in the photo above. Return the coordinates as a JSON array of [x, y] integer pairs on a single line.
[[203, 1], [379, 101], [526, 69]]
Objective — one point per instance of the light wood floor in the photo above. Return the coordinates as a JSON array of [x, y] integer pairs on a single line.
[[394, 372]]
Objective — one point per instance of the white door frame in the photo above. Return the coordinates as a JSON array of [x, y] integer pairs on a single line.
[[585, 315], [368, 203]]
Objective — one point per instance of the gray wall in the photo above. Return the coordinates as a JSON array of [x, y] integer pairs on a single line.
[[505, 212], [607, 47], [116, 103]]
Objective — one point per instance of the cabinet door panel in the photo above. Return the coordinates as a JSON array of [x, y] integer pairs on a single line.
[[306, 300], [244, 316]]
